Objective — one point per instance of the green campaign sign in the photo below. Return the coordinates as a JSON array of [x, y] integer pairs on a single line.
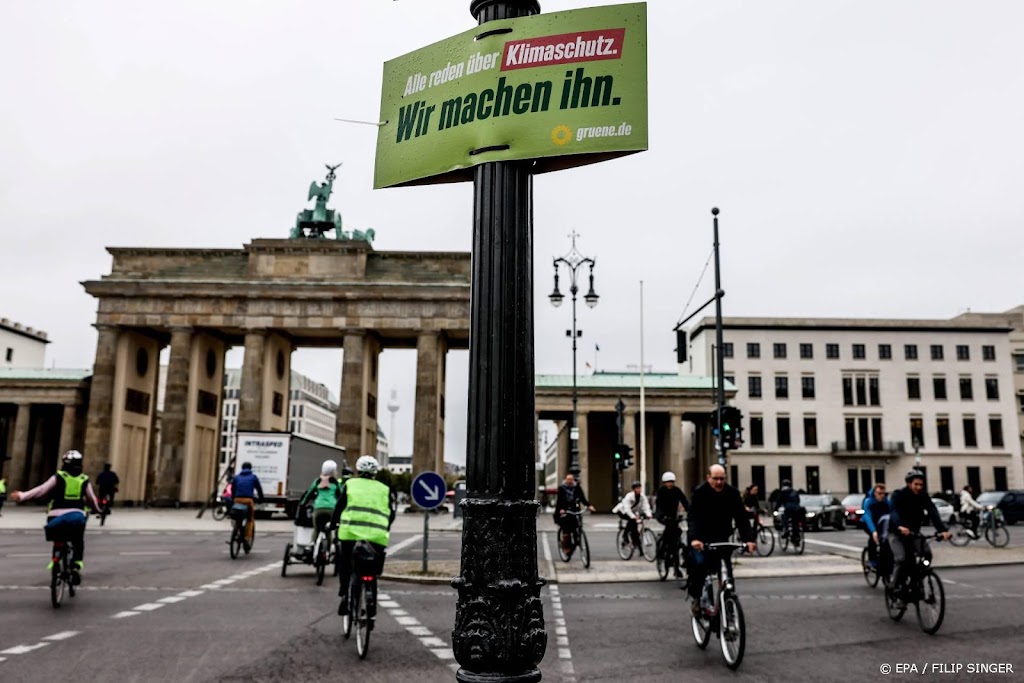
[[566, 89]]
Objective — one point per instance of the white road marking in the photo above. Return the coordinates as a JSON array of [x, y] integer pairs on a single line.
[[431, 641], [547, 556], [402, 545], [190, 594], [63, 635], [443, 653], [28, 554], [420, 631], [22, 649], [408, 621], [561, 634], [122, 615], [830, 544], [146, 552], [171, 599], [148, 607], [386, 604]]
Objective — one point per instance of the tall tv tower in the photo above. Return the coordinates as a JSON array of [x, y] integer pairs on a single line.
[[392, 408]]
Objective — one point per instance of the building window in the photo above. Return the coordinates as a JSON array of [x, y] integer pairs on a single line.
[[946, 478], [914, 388], [885, 352], [910, 351], [970, 433], [942, 430], [992, 388], [862, 396], [807, 350], [963, 352], [10, 354], [807, 386], [1018, 362], [847, 391], [785, 474], [779, 350], [873, 397], [756, 430], [832, 351], [858, 352], [782, 428], [917, 431], [966, 389], [999, 476], [988, 352], [754, 386], [995, 426], [753, 350], [726, 349], [810, 431], [781, 386], [937, 352], [939, 386], [731, 379]]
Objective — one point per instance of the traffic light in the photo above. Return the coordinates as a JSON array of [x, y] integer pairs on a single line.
[[623, 456], [732, 427]]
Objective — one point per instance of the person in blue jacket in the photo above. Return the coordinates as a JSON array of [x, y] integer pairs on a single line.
[[247, 490], [875, 507]]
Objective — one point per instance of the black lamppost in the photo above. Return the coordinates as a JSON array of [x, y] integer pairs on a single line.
[[573, 261]]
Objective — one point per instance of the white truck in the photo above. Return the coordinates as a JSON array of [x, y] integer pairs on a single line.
[[285, 463]]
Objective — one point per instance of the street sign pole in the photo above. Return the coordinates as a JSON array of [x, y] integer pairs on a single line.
[[426, 538], [428, 492]]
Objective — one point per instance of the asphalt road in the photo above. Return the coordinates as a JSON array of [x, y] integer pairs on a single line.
[[174, 607]]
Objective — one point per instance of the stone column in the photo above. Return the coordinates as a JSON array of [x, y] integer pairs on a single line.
[[357, 410], [583, 451], [172, 426], [428, 415], [19, 449], [675, 446], [101, 399], [250, 395], [67, 431]]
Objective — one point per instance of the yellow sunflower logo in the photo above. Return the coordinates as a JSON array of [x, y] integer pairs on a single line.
[[561, 135]]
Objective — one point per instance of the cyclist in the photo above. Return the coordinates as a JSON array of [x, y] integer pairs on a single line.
[[876, 506], [323, 493], [969, 510], [630, 508], [909, 507], [70, 492], [247, 490], [570, 499], [789, 502], [365, 512], [752, 503], [3, 494], [714, 509], [107, 482], [666, 510]]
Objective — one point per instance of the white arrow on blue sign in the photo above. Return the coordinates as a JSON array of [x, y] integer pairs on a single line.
[[428, 490]]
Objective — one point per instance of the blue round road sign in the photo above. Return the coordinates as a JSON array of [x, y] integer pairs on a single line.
[[428, 490]]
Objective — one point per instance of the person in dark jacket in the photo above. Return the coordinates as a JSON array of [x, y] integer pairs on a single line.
[[876, 506], [715, 509], [247, 490], [910, 505], [570, 499], [666, 510], [788, 501], [107, 483]]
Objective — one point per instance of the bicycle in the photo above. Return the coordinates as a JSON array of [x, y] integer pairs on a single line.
[[792, 534], [719, 603], [362, 600], [240, 523], [648, 542], [921, 586], [992, 526], [324, 553], [104, 509], [62, 576], [764, 538], [670, 558], [577, 539], [871, 574]]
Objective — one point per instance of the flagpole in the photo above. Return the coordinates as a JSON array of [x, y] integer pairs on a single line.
[[643, 416]]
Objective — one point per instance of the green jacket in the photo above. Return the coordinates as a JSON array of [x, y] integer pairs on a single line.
[[323, 497], [3, 487], [367, 512]]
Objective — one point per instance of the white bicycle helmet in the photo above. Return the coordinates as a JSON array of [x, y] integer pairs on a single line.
[[72, 456], [367, 464], [668, 476], [329, 468]]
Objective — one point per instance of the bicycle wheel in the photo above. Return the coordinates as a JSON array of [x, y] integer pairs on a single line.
[[584, 549], [931, 607], [649, 545], [235, 544], [701, 627], [286, 560], [870, 573], [219, 512], [346, 619], [362, 620], [998, 536], [320, 562], [784, 539], [958, 536], [733, 635], [765, 541], [895, 611], [103, 515], [798, 544], [57, 583], [623, 544]]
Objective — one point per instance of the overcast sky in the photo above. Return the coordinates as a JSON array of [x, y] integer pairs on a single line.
[[868, 159]]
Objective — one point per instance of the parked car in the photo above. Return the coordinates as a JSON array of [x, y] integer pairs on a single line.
[[852, 505], [1010, 502], [821, 511], [947, 513]]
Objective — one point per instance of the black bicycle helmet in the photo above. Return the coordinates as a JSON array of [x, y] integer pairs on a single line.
[[636, 484], [914, 474]]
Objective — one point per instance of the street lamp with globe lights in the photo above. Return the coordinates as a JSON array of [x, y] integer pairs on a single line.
[[573, 261]]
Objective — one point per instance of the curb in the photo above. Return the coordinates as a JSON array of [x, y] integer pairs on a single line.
[[424, 580]]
